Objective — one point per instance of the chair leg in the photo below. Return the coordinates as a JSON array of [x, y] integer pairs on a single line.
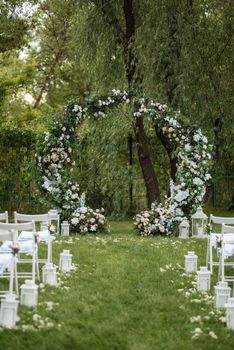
[[211, 256], [34, 266], [207, 253], [221, 265], [49, 251], [16, 278], [37, 266], [11, 284]]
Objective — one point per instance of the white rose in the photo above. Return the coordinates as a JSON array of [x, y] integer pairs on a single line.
[[197, 181], [83, 210], [74, 221]]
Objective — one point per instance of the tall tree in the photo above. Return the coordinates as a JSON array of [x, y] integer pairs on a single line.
[[124, 31], [13, 26], [53, 33]]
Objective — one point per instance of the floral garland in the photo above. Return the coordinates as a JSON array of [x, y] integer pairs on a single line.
[[191, 149]]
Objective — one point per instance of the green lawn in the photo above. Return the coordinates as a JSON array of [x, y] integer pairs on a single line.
[[128, 293]]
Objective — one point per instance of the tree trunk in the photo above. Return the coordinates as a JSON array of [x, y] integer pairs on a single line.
[[151, 182], [150, 179]]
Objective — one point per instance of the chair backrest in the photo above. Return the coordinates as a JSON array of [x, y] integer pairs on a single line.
[[6, 228], [221, 220], [227, 229], [4, 216], [30, 217]]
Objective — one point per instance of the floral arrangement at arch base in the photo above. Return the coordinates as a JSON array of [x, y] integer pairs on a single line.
[[192, 152], [89, 220]]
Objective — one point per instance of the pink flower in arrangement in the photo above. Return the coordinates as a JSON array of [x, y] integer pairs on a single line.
[[162, 229], [54, 157], [52, 229]]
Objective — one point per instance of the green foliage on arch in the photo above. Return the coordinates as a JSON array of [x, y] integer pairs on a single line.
[[186, 193]]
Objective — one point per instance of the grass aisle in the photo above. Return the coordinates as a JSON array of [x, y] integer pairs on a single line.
[[128, 293]]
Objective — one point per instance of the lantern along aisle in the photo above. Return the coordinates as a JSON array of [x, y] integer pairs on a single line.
[[199, 222], [65, 261], [65, 228], [190, 262], [8, 312], [230, 313], [49, 274], [184, 229], [29, 294], [222, 293], [203, 279]]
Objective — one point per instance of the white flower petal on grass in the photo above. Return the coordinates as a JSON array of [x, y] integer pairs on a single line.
[[49, 305], [66, 288], [49, 324], [28, 327], [182, 307], [222, 319], [41, 323], [213, 335], [197, 333], [162, 269], [196, 301], [196, 319], [206, 318], [36, 317]]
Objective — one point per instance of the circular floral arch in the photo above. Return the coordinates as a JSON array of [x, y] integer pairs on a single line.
[[186, 192]]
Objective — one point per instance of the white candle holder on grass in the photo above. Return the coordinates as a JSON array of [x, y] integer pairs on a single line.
[[184, 229], [65, 228], [199, 223], [8, 311], [190, 262], [29, 293], [203, 279], [49, 274], [230, 313], [222, 293], [65, 261]]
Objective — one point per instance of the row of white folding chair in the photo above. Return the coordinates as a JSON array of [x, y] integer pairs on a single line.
[[8, 267], [11, 231], [213, 237], [25, 236], [43, 236], [227, 252], [6, 258]]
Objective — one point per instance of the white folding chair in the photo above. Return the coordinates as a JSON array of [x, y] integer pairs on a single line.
[[43, 236], [8, 266], [227, 252], [213, 238], [4, 216], [28, 247]]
